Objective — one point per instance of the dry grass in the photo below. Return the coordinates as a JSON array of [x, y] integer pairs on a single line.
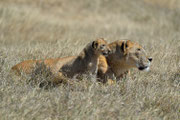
[[55, 28]]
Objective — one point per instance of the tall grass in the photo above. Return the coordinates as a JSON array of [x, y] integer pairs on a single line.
[[49, 29]]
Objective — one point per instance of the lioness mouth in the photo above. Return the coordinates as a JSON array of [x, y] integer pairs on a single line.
[[143, 68], [105, 54]]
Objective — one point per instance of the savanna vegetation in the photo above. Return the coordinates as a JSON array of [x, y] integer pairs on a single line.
[[41, 29]]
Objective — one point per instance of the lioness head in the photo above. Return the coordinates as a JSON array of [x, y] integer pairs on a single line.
[[101, 47], [131, 54]]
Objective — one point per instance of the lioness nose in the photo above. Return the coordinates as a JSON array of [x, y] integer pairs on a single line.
[[150, 59]]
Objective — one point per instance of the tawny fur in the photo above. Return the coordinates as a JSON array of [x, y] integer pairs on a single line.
[[85, 63], [125, 56]]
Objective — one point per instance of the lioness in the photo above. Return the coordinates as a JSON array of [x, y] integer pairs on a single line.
[[125, 55], [85, 62]]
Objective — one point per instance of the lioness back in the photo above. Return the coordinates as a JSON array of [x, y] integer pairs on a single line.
[[25, 66]]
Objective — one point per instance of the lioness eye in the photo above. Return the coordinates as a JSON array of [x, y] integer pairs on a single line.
[[138, 49]]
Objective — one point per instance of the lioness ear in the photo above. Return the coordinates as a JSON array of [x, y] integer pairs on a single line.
[[124, 46], [94, 44]]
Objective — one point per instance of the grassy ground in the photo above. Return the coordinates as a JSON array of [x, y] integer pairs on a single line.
[[55, 28]]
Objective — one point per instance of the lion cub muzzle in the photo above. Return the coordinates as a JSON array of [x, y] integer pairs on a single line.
[[106, 53]]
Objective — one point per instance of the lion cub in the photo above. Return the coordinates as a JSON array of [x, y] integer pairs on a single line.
[[85, 63]]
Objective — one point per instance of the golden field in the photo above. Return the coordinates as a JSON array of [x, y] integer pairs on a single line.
[[43, 29]]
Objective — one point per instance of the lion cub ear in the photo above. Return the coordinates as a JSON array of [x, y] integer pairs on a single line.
[[124, 46], [94, 44]]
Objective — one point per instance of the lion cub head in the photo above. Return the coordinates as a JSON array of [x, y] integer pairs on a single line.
[[101, 47], [131, 54]]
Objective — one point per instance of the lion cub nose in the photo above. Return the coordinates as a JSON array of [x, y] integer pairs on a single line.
[[109, 51], [150, 59]]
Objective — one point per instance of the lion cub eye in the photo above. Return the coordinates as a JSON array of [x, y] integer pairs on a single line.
[[102, 46]]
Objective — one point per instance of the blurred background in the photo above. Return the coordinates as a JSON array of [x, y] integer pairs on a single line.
[[59, 20]]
